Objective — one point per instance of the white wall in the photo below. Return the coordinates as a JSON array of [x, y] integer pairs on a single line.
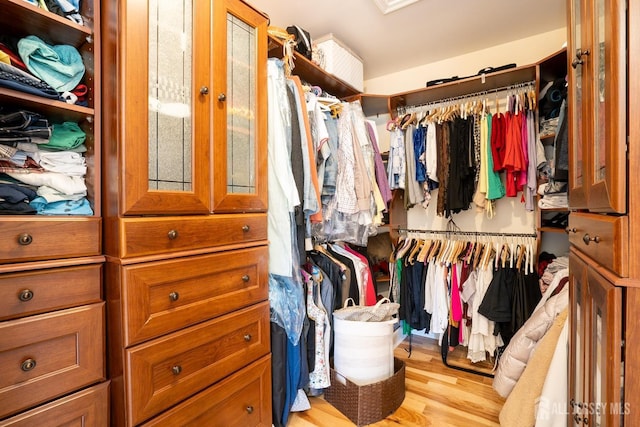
[[511, 217]]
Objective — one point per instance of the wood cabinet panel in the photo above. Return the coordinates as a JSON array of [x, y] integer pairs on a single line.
[[169, 369], [48, 355], [54, 237], [39, 291], [603, 238], [241, 400], [89, 407], [148, 236], [162, 297]]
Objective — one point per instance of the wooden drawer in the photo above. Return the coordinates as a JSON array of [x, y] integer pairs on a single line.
[[242, 400], [45, 290], [148, 236], [170, 369], [603, 238], [48, 238], [89, 407], [165, 296], [66, 351]]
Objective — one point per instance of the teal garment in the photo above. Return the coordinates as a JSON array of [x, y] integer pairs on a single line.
[[63, 207], [495, 189], [65, 136], [60, 65]]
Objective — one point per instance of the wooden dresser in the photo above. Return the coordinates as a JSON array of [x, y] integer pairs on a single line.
[[185, 202], [604, 226], [52, 309]]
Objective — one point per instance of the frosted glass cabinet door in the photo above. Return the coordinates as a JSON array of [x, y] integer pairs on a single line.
[[597, 105], [240, 108], [605, 362], [607, 174], [577, 52], [578, 340], [167, 107]]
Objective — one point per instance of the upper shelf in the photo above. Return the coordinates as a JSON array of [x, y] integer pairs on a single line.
[[313, 74], [475, 84], [52, 28], [372, 105]]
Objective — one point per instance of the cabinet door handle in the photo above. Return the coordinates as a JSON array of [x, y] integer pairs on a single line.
[[579, 54], [586, 239], [245, 278], [25, 295], [176, 370], [172, 234], [204, 90], [173, 296], [570, 230], [25, 239], [28, 365], [222, 97], [249, 409], [246, 228], [247, 337]]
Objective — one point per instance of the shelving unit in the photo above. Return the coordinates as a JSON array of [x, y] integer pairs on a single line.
[[551, 239], [52, 309]]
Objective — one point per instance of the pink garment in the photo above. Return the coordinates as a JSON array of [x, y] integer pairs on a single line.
[[456, 303]]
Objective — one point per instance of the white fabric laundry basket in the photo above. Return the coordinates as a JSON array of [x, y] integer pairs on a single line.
[[363, 351]]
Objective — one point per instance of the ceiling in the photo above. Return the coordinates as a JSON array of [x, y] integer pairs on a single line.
[[422, 32]]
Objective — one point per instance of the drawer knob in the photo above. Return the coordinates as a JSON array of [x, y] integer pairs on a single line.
[[245, 278], [246, 228], [25, 295], [173, 296], [586, 239], [247, 337], [28, 365], [204, 90], [173, 234], [570, 230], [25, 239], [176, 370], [249, 409], [222, 97]]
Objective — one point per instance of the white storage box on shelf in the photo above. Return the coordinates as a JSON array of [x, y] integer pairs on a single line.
[[336, 58]]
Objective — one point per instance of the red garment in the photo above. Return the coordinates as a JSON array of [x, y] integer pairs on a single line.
[[513, 158], [370, 291], [498, 141]]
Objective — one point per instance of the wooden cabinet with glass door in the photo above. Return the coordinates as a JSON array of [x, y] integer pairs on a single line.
[[605, 214], [595, 382], [185, 207], [597, 105]]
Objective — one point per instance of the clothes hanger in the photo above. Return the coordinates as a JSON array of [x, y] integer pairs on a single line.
[[422, 256]]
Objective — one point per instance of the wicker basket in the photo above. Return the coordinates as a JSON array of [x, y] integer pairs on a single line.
[[369, 403]]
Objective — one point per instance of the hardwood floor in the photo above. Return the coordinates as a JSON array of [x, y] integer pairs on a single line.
[[436, 395]]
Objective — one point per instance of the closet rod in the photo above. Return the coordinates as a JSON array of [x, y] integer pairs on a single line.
[[465, 233], [404, 108]]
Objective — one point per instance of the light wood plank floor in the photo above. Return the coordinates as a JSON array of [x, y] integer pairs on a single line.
[[435, 394]]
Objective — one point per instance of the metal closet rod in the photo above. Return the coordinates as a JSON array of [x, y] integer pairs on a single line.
[[466, 233], [402, 109]]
